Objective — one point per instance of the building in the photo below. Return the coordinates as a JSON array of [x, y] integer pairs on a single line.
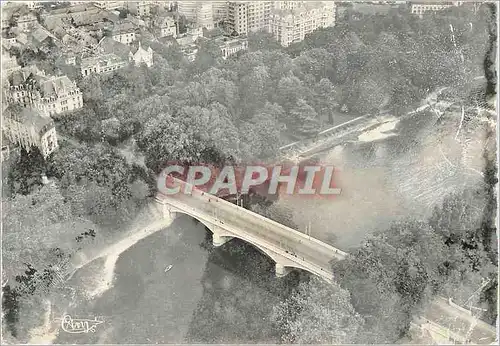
[[28, 128], [165, 26], [103, 63], [30, 87], [219, 10], [139, 8], [9, 65], [34, 5], [109, 5], [287, 5], [289, 26], [124, 32], [422, 7], [230, 47], [199, 13], [246, 16], [26, 22], [58, 95], [142, 56]]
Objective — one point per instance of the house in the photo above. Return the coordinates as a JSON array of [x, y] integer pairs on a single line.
[[30, 87], [109, 5], [27, 127], [190, 37], [124, 32], [142, 56], [229, 47], [102, 63], [57, 95], [165, 26]]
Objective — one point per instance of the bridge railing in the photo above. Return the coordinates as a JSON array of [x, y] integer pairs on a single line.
[[206, 197]]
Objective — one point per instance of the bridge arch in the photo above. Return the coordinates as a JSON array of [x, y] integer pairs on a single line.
[[221, 236]]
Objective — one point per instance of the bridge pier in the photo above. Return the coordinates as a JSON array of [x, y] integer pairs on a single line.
[[218, 240], [281, 270]]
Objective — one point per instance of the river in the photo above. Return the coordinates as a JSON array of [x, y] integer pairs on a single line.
[[211, 295]]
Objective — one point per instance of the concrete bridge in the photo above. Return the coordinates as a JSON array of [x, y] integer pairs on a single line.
[[287, 247]]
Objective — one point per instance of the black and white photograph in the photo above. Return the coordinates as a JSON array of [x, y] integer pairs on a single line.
[[249, 172]]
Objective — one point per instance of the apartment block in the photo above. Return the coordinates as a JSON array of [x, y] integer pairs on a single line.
[[292, 25], [420, 8], [198, 12], [28, 127], [248, 16]]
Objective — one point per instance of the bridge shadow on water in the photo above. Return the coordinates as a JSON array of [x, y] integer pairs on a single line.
[[239, 291]]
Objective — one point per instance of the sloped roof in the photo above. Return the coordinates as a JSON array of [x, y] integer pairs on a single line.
[[28, 117], [108, 45], [55, 86]]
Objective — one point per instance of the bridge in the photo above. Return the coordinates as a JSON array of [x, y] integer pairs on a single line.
[[287, 247]]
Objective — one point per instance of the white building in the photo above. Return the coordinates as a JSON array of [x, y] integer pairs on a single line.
[[422, 7], [219, 10], [142, 56], [58, 95], [110, 5], [124, 33], [30, 87], [232, 46], [139, 8], [246, 16], [27, 128], [104, 63], [198, 12], [289, 26]]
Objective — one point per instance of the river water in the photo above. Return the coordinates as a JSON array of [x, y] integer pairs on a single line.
[[211, 295]]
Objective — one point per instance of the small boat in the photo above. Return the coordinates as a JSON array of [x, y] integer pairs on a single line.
[[168, 268]]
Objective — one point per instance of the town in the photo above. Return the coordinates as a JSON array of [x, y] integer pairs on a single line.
[[395, 100]]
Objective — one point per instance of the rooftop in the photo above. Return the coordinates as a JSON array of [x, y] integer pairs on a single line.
[[101, 60], [56, 86], [29, 117]]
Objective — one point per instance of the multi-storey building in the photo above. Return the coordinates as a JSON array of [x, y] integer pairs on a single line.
[[26, 22], [124, 33], [9, 65], [198, 12], [422, 7], [289, 26], [287, 5], [219, 10], [245, 16], [34, 5], [30, 87], [229, 47], [29, 128], [57, 95], [139, 8], [104, 63]]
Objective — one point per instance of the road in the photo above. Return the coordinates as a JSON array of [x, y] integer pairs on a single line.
[[299, 245]]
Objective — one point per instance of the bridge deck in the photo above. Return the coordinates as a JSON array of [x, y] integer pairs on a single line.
[[288, 240]]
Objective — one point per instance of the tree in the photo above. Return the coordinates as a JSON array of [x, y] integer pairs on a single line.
[[318, 313], [326, 99], [304, 120]]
